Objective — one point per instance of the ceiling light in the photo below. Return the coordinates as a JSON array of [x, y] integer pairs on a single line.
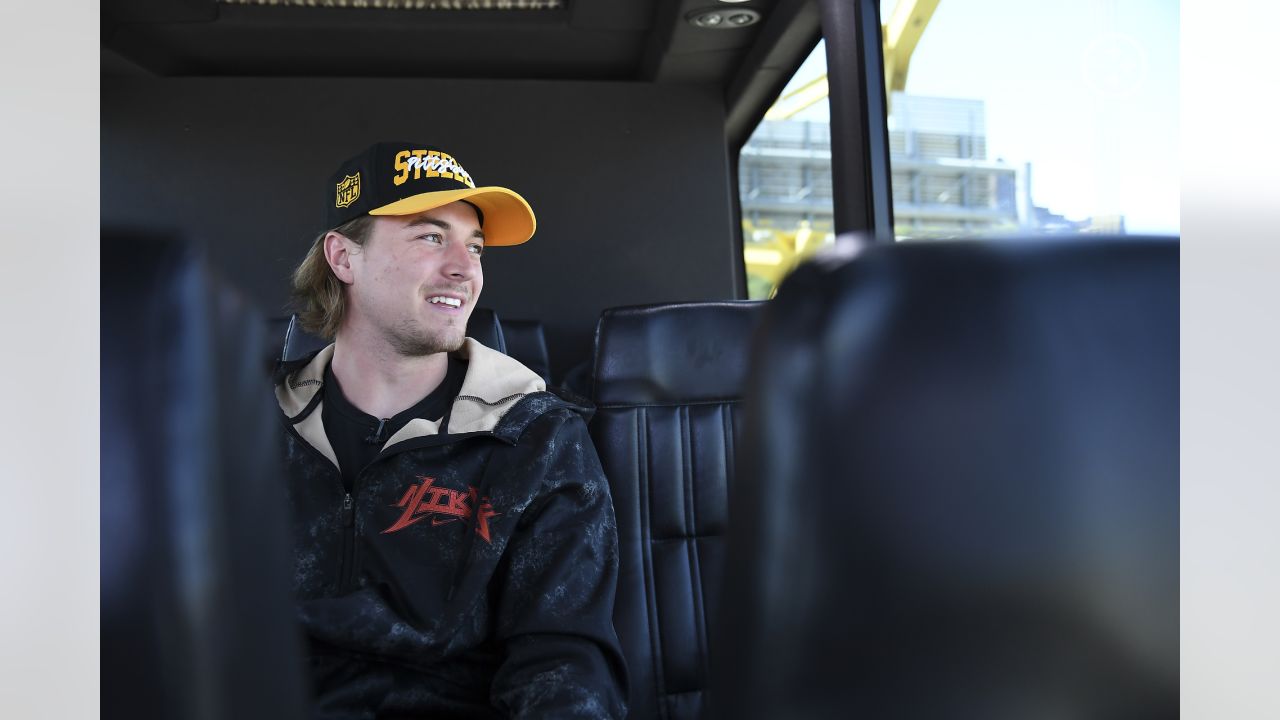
[[723, 19]]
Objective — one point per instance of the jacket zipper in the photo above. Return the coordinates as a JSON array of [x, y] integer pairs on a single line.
[[347, 574]]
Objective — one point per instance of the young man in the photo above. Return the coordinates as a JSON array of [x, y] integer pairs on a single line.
[[454, 534]]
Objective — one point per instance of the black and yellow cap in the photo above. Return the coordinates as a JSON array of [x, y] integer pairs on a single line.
[[402, 178]]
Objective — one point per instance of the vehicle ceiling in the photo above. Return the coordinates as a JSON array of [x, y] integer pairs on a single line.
[[611, 40]]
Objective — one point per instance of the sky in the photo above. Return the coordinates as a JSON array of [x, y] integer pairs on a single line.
[[1084, 90]]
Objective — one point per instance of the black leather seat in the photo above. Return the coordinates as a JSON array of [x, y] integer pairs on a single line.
[[526, 341], [276, 328], [196, 603], [959, 488], [299, 343], [485, 327], [668, 381]]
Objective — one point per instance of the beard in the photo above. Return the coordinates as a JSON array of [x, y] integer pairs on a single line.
[[412, 340], [419, 342]]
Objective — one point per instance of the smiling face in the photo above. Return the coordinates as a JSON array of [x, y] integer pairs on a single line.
[[415, 280]]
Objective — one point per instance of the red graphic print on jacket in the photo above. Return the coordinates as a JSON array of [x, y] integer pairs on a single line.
[[442, 505]]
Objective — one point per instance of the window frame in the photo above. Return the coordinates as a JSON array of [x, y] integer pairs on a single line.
[[860, 167]]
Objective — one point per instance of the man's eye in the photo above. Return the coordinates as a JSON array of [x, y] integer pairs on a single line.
[[432, 237], [476, 249]]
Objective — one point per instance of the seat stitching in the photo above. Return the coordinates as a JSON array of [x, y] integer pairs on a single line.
[[691, 515], [729, 420], [650, 594], [695, 691], [694, 536], [681, 404]]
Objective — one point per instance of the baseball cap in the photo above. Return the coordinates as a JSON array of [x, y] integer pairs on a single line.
[[404, 178]]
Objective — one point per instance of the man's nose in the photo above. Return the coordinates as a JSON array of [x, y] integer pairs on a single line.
[[458, 263]]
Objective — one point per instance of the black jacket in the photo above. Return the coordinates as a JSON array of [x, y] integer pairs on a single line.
[[471, 572]]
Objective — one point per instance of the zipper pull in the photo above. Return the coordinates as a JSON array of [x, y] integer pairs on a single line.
[[348, 514], [376, 438]]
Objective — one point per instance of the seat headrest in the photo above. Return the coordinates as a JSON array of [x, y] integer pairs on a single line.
[[527, 342], [485, 328], [673, 353], [299, 343]]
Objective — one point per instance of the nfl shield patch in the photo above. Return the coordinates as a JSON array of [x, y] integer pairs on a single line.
[[349, 190]]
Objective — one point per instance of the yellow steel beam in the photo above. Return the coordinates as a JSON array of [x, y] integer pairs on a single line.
[[802, 97], [901, 34]]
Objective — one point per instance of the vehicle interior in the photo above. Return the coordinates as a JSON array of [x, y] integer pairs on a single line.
[[888, 458]]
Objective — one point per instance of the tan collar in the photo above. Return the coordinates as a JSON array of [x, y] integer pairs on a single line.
[[298, 389], [493, 384]]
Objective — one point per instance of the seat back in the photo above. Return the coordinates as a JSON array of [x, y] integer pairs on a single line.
[[196, 602], [276, 330], [527, 342], [485, 328], [298, 343], [959, 490], [668, 385]]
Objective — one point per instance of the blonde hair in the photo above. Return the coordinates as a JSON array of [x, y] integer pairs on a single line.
[[317, 293]]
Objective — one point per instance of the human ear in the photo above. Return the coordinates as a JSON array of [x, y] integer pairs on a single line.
[[337, 252]]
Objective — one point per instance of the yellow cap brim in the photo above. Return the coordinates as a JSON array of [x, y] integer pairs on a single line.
[[508, 219]]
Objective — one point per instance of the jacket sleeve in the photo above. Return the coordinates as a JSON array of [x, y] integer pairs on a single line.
[[555, 608]]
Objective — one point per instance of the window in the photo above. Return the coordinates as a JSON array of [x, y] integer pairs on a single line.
[[1005, 118], [1032, 118], [784, 177]]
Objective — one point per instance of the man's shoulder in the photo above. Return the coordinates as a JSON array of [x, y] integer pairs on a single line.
[[549, 410]]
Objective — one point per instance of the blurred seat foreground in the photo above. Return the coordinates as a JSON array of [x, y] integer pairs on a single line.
[[958, 494], [196, 601]]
